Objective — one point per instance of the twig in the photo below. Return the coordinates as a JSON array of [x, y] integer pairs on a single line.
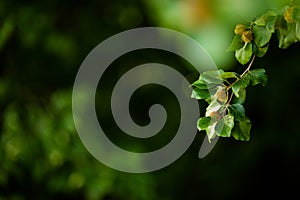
[[249, 66], [230, 86], [230, 98]]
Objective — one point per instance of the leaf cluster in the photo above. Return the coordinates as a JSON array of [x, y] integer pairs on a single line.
[[225, 92], [253, 39]]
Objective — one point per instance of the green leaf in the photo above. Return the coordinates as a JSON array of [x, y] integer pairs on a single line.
[[270, 19], [287, 34], [200, 84], [213, 76], [236, 43], [241, 130], [297, 30], [260, 21], [200, 93], [281, 34], [244, 54], [258, 76], [224, 126], [296, 14], [238, 111], [227, 75], [242, 97], [241, 85], [262, 35], [291, 36], [261, 51], [203, 123]]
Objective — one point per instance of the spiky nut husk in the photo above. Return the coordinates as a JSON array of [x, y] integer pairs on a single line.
[[214, 114], [288, 15], [221, 94], [247, 36], [239, 29]]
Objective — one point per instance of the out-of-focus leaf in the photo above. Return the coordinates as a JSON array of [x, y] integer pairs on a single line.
[[6, 30]]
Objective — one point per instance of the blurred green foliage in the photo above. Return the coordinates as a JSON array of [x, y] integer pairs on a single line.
[[209, 21], [42, 44]]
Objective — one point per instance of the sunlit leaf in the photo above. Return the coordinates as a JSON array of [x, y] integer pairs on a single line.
[[200, 93], [236, 43], [227, 75], [200, 84], [260, 21], [244, 54], [224, 126], [203, 123]]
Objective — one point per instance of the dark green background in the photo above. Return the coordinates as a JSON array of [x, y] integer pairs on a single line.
[[42, 44]]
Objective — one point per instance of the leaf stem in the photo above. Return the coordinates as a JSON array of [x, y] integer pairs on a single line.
[[230, 98], [249, 66], [230, 86], [243, 74]]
